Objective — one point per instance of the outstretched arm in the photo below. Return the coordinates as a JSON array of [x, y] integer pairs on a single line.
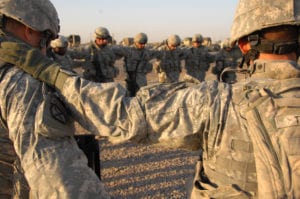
[[174, 115]]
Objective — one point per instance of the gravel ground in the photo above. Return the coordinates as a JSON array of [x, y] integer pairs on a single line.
[[145, 171]]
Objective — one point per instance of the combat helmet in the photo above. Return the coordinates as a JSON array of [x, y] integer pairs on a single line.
[[226, 43], [141, 38], [60, 42], [187, 41], [39, 15], [255, 15], [174, 40], [74, 40], [127, 41], [197, 38], [102, 33]]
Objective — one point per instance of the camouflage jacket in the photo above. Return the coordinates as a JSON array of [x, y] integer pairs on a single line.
[[169, 60], [101, 58], [225, 59], [42, 142], [135, 59], [37, 129], [65, 61], [207, 116], [198, 59], [223, 120]]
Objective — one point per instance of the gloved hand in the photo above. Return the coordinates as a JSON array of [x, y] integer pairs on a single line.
[[32, 61]]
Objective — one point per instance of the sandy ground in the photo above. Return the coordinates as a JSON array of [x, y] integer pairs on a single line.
[[145, 171]]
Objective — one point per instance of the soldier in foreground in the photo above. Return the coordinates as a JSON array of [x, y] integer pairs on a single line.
[[36, 129], [248, 131]]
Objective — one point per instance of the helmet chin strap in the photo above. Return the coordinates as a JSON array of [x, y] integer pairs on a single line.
[[43, 43], [251, 55], [2, 21], [272, 47], [260, 45], [46, 39]]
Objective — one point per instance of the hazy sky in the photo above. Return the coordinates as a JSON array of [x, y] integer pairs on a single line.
[[157, 18]]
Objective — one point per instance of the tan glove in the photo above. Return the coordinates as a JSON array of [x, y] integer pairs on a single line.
[[32, 61]]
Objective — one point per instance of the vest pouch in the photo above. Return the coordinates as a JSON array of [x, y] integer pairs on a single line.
[[52, 119], [203, 188], [273, 125]]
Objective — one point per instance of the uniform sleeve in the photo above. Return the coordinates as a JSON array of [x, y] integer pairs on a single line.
[[180, 115], [184, 53], [120, 51], [53, 164], [173, 115], [104, 110], [219, 56], [176, 114], [210, 57], [82, 52], [154, 54]]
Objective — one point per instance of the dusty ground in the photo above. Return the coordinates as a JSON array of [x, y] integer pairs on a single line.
[[143, 171]]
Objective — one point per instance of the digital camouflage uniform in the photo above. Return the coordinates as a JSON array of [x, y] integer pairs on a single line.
[[99, 59], [197, 61], [65, 61], [136, 63], [99, 62], [240, 127], [53, 164], [209, 116], [36, 133], [230, 58], [168, 64]]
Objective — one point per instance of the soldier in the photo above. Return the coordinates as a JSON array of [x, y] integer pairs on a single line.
[[168, 64], [249, 131], [99, 57], [127, 41], [197, 61], [74, 41], [58, 51], [229, 58], [36, 133], [187, 42], [206, 41], [136, 62]]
